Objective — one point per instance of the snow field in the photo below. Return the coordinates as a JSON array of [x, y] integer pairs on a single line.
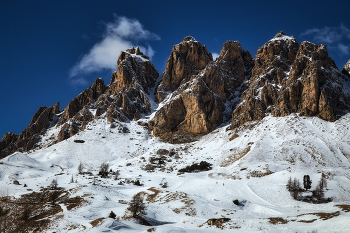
[[279, 148]]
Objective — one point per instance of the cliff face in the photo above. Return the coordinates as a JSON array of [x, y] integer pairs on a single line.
[[30, 136], [195, 100], [289, 78], [186, 59]]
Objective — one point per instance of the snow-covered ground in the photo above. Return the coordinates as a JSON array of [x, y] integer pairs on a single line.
[[273, 148]]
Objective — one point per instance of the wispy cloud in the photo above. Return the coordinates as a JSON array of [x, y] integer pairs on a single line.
[[343, 49], [334, 37], [119, 35]]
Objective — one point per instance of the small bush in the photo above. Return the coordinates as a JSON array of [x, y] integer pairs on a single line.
[[202, 166], [137, 182], [80, 168], [236, 202], [116, 175], [54, 184], [104, 170], [112, 215]]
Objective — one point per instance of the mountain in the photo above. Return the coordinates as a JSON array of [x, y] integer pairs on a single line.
[[246, 125]]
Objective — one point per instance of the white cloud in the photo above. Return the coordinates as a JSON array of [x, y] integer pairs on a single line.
[[119, 35]]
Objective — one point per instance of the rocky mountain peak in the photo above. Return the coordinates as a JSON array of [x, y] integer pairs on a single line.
[[186, 59], [290, 78], [189, 38], [42, 120], [197, 106], [281, 34], [125, 98], [134, 70]]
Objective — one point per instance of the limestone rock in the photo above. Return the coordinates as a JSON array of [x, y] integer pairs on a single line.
[[27, 140], [8, 144], [186, 59], [227, 73], [289, 78], [196, 106], [194, 109], [135, 70], [90, 95], [125, 98], [67, 131]]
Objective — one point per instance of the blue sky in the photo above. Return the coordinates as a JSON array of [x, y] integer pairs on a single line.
[[52, 50]]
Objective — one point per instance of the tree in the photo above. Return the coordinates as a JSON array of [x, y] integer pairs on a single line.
[[104, 170], [318, 192], [80, 168], [323, 181], [295, 188], [307, 182], [54, 196], [72, 179], [137, 207], [117, 174], [289, 184], [54, 184]]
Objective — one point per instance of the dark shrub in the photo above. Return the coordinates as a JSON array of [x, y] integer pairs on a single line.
[[112, 215], [202, 166]]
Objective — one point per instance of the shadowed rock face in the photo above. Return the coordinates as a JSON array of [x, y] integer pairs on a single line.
[[197, 104], [289, 78], [84, 98], [30, 136]]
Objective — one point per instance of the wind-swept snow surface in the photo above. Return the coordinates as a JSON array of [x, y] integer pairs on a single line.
[[252, 168]]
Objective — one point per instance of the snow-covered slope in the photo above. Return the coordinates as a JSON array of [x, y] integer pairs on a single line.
[[253, 168]]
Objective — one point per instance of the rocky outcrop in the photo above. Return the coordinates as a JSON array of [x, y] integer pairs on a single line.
[[135, 70], [289, 78], [124, 99], [186, 59], [194, 109], [8, 144], [197, 105], [27, 140], [88, 96], [227, 73]]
